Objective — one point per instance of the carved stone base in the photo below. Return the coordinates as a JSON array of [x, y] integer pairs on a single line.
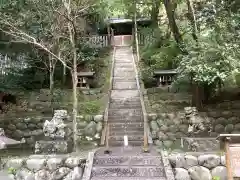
[[53, 147]]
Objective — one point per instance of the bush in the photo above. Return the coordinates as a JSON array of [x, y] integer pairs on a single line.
[[90, 107]]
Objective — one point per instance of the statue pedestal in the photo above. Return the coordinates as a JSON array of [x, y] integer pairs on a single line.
[[53, 147]]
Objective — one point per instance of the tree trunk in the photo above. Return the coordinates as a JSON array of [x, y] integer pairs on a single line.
[[136, 31], [192, 19], [64, 75], [75, 106], [170, 10], [197, 96], [155, 12], [72, 37], [51, 81]]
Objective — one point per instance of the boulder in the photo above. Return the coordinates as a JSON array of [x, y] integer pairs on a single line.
[[54, 163], [60, 173], [98, 118], [181, 174], [99, 127], [229, 128], [42, 175], [35, 164], [220, 171], [24, 174], [199, 173], [154, 125], [219, 128], [181, 161], [210, 161], [223, 160], [162, 136], [90, 129], [190, 161]]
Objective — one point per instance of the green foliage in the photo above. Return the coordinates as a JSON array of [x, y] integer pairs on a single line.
[[208, 62], [216, 178], [12, 170], [90, 107], [237, 79], [159, 55]]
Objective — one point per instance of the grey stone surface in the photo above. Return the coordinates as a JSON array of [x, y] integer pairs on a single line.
[[24, 174], [182, 161], [98, 118], [220, 171], [199, 173], [73, 162], [90, 129], [223, 160], [60, 173], [154, 125], [181, 174], [42, 175], [35, 164], [54, 163], [15, 163], [5, 176], [209, 161], [191, 161]]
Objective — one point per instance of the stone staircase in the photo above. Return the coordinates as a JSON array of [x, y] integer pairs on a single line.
[[125, 112], [125, 117]]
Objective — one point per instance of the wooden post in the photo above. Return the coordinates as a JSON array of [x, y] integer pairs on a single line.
[[107, 151], [228, 163]]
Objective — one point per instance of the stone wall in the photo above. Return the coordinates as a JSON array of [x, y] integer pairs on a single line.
[[90, 129], [166, 128], [44, 167], [201, 167], [31, 128]]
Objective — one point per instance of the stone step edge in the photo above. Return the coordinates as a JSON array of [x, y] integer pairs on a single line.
[[128, 178], [127, 166], [127, 156]]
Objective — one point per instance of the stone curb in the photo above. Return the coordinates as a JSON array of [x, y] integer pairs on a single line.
[[167, 167]]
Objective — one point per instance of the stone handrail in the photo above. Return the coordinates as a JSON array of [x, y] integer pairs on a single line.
[[104, 137], [145, 117]]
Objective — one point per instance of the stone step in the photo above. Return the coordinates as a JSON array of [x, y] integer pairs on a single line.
[[126, 126], [122, 60], [121, 143], [128, 151], [124, 94], [135, 171], [128, 133], [124, 79], [127, 160], [133, 78], [125, 112], [123, 74], [128, 178], [125, 105], [124, 85], [120, 68], [132, 100], [123, 65], [130, 138], [124, 119], [121, 129]]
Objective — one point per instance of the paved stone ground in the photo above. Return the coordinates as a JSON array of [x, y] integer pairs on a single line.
[[126, 118]]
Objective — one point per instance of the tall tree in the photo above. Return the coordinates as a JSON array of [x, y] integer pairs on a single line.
[[52, 26], [170, 7]]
